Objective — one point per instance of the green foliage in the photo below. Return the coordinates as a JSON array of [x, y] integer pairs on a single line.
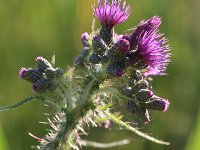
[[193, 142], [35, 27], [3, 142]]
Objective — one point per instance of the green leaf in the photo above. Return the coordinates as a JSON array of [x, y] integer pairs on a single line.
[[22, 102]]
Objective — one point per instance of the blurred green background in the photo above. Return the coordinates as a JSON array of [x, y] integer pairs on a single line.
[[29, 28]]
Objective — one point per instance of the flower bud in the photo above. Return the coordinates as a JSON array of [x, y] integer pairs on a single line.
[[43, 63], [85, 38], [58, 72], [119, 50], [49, 73], [139, 112], [131, 107], [142, 84], [95, 59], [53, 73], [157, 103], [81, 59], [43, 85], [123, 46], [135, 77], [99, 46], [126, 91], [143, 95], [31, 75], [115, 69]]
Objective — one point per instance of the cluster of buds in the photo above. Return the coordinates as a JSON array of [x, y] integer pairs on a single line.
[[43, 78], [135, 56], [142, 97]]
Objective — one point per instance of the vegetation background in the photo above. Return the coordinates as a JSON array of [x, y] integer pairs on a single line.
[[29, 28]]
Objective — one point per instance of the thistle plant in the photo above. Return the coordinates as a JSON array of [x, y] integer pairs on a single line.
[[109, 82]]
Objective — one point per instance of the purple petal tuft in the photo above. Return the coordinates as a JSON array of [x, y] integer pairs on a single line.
[[153, 51], [111, 14]]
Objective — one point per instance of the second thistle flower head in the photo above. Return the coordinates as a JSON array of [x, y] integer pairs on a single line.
[[145, 26], [111, 13], [153, 52]]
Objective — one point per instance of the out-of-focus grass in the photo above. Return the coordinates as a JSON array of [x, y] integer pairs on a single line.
[[3, 141], [193, 143], [29, 28]]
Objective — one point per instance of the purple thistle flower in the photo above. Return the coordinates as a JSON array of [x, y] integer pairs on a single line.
[[153, 52], [151, 24], [145, 26], [111, 14]]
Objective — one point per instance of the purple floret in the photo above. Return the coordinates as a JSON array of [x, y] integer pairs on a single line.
[[40, 59], [153, 51], [111, 13], [22, 72], [145, 26]]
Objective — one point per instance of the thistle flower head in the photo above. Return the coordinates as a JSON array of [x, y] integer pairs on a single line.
[[111, 13], [153, 52], [151, 24], [145, 26]]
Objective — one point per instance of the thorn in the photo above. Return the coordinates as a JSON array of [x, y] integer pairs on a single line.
[[43, 122], [81, 129], [57, 117], [52, 125], [93, 123], [46, 114], [35, 137]]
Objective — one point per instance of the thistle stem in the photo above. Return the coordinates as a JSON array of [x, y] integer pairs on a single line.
[[23, 101], [143, 135]]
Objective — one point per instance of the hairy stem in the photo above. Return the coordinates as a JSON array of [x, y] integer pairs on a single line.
[[74, 116], [23, 101], [143, 135]]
